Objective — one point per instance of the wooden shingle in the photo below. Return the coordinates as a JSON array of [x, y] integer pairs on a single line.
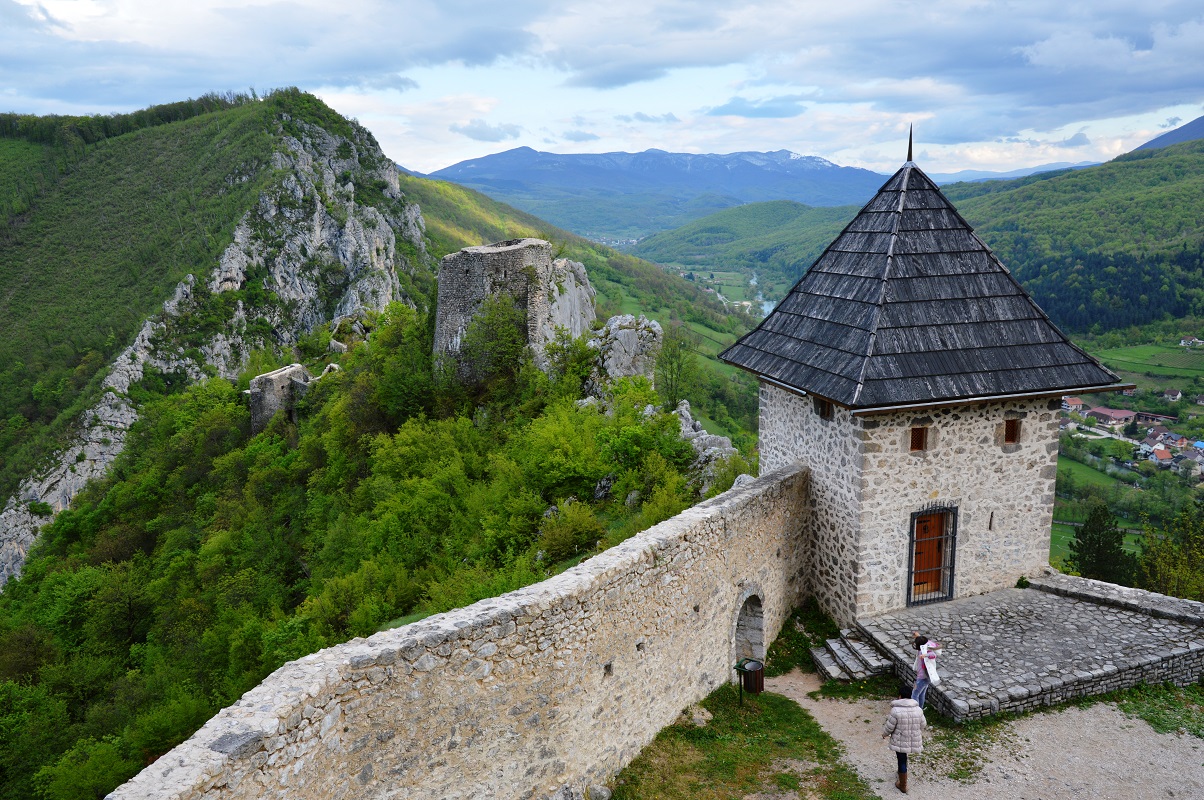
[[908, 306]]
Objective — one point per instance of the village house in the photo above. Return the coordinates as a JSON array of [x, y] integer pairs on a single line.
[[1073, 405], [1112, 417], [1161, 456], [1190, 341], [1172, 395]]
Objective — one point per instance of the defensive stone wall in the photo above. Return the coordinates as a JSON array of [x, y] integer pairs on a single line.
[[542, 691]]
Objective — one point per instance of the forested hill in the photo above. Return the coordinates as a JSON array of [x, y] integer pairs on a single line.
[[209, 556], [1105, 247], [1099, 248], [100, 218]]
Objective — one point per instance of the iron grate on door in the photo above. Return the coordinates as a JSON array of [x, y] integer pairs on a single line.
[[933, 545]]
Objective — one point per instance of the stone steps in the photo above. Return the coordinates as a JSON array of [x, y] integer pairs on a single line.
[[849, 658], [826, 665]]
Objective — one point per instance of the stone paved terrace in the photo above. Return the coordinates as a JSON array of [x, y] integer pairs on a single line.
[[1061, 638]]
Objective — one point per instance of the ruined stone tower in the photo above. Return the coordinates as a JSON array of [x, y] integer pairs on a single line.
[[920, 384], [553, 293]]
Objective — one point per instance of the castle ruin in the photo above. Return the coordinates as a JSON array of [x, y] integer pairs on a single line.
[[908, 393]]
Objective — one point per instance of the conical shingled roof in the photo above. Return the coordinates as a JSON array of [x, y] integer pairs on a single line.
[[908, 306]]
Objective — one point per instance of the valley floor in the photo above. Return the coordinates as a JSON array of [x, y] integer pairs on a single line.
[[1074, 752]]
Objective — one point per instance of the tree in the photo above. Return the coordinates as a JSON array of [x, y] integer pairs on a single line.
[[1097, 549], [1172, 561], [495, 347], [676, 364]]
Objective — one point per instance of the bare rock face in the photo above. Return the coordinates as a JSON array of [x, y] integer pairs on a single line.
[[320, 257], [627, 346], [553, 293], [709, 450]]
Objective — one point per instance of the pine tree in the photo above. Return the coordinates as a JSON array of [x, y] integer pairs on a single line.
[[1097, 550]]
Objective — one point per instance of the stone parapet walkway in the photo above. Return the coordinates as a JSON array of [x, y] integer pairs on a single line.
[[1061, 638]]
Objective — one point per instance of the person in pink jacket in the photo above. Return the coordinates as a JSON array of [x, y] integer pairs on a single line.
[[926, 653], [905, 727]]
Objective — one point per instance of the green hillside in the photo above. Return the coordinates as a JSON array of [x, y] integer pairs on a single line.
[[777, 240], [208, 556], [1101, 248], [1109, 246], [94, 237], [723, 397]]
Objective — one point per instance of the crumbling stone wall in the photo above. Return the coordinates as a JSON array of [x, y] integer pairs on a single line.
[[556, 685], [553, 293]]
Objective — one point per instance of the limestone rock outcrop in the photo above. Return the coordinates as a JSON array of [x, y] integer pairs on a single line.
[[709, 449], [554, 293], [627, 346], [318, 254]]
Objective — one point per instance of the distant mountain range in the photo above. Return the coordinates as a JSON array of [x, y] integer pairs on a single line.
[[617, 196], [986, 175], [1103, 247], [1184, 133]]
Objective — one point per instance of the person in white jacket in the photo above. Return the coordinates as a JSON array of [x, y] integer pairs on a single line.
[[905, 727]]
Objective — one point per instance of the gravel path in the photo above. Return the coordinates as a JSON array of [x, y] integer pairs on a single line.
[[1079, 753]]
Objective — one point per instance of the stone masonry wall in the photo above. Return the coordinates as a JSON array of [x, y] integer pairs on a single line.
[[1003, 494], [558, 684], [791, 431], [552, 293]]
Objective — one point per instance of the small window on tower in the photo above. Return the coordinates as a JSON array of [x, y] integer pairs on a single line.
[[1011, 431], [823, 408], [919, 439]]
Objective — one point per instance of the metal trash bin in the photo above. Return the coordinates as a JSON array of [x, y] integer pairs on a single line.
[[752, 675]]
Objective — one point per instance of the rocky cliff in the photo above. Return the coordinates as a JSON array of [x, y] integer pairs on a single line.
[[320, 245]]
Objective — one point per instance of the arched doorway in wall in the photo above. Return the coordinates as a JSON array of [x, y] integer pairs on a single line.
[[750, 630]]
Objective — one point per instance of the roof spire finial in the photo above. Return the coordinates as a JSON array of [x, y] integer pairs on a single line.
[[910, 128]]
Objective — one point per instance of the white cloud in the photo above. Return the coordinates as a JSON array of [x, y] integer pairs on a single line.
[[580, 136], [976, 76], [482, 131]]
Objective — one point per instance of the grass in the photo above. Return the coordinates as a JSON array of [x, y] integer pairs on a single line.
[[1167, 708], [806, 627], [1084, 474], [767, 741], [1171, 361]]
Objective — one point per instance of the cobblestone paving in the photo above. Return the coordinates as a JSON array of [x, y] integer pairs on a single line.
[[1061, 638]]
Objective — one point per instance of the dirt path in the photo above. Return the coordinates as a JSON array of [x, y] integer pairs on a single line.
[[1075, 753]]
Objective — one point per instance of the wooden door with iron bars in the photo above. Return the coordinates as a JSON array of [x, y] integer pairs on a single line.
[[933, 537]]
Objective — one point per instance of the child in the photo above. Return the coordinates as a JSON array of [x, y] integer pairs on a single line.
[[905, 727], [926, 653]]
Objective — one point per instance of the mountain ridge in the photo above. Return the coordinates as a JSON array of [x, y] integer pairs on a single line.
[[1106, 246], [615, 196]]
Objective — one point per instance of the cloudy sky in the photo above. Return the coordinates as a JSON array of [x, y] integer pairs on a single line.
[[988, 85]]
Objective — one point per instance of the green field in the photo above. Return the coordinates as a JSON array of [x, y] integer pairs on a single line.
[[1152, 359], [1061, 534], [1086, 475]]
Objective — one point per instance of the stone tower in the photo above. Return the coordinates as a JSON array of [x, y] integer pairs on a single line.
[[553, 292], [920, 384]]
